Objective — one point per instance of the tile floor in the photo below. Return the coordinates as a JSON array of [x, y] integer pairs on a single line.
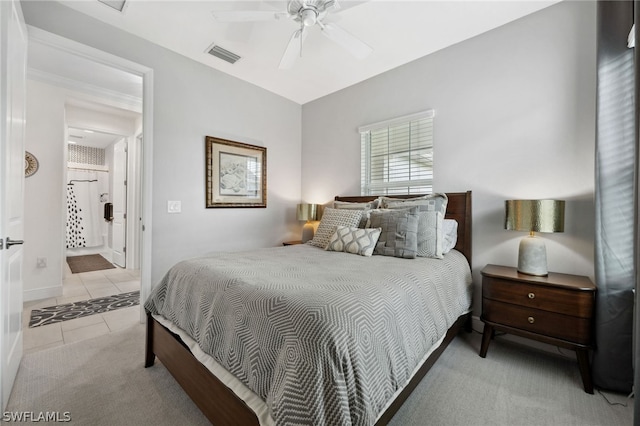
[[77, 287]]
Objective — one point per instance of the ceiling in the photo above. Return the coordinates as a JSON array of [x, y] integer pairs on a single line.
[[106, 93], [398, 32], [90, 75], [90, 138]]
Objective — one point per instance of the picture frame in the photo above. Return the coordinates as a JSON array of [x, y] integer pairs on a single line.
[[236, 174]]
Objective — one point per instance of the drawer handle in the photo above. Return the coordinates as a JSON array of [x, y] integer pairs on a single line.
[[531, 320], [532, 295]]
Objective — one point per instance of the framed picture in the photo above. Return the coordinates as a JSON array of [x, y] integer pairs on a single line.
[[236, 174]]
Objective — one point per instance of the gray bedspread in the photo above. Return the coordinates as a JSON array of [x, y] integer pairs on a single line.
[[322, 337]]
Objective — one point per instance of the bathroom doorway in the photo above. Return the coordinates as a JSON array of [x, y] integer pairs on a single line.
[[97, 193]]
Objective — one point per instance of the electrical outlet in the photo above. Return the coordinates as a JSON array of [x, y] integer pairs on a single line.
[[41, 262], [174, 206]]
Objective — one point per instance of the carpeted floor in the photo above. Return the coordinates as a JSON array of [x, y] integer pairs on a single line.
[[102, 381], [88, 263]]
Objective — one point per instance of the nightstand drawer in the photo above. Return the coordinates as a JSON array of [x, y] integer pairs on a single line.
[[572, 329], [558, 300]]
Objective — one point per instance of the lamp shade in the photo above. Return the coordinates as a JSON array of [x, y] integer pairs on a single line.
[[534, 215], [307, 211]]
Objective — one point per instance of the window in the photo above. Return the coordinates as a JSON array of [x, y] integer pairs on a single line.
[[397, 155]]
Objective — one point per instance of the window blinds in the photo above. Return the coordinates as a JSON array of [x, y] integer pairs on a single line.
[[397, 155]]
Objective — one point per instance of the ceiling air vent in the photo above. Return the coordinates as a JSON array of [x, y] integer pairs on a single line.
[[223, 54], [115, 4]]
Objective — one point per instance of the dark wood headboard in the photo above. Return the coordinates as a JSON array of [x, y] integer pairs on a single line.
[[458, 208]]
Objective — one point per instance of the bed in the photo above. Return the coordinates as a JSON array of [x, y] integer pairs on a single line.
[[358, 380]]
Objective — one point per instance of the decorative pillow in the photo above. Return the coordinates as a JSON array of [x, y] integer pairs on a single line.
[[364, 207], [438, 201], [399, 236], [384, 201], [356, 206], [331, 218], [354, 240], [432, 209], [450, 235]]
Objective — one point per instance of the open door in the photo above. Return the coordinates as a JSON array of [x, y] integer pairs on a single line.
[[13, 61], [119, 225]]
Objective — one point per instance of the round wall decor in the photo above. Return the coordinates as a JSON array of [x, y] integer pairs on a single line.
[[30, 164]]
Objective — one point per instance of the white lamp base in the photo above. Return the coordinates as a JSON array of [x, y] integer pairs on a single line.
[[532, 256], [307, 232]]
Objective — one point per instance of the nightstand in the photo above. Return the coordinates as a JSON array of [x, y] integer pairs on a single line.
[[292, 243], [556, 309]]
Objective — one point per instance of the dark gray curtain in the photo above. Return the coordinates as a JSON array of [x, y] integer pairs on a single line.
[[614, 198], [636, 329]]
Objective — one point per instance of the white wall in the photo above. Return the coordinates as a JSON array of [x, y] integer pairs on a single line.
[[100, 121], [44, 231], [515, 118], [191, 101]]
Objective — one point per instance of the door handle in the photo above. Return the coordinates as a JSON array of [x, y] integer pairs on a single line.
[[9, 242]]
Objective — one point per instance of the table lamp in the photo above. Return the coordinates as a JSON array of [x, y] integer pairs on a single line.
[[307, 212], [534, 216]]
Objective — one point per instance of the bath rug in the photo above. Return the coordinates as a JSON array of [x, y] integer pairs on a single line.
[[88, 263], [69, 311]]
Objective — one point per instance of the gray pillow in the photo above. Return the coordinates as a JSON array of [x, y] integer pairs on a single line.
[[432, 209], [385, 201], [356, 206], [399, 236]]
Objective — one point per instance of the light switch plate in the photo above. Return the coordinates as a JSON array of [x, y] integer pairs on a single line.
[[174, 206]]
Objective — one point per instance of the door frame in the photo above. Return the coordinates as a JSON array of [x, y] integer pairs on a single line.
[[70, 46]]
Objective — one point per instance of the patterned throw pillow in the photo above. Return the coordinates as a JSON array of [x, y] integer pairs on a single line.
[[332, 218], [432, 209], [364, 207], [354, 240], [399, 236]]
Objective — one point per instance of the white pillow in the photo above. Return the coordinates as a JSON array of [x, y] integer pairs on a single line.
[[449, 235], [354, 240]]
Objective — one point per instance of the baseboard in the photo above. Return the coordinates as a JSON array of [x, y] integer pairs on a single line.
[[41, 293], [478, 326]]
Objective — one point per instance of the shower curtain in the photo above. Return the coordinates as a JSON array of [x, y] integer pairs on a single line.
[[84, 226]]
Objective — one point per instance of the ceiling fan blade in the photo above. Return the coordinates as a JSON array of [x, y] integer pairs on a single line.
[[355, 46], [247, 15], [293, 50]]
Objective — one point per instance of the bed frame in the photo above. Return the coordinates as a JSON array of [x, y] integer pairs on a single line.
[[222, 407]]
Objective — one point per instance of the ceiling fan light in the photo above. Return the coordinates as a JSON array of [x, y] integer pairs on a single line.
[[308, 17]]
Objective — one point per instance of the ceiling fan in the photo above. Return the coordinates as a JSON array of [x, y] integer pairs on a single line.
[[307, 13]]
